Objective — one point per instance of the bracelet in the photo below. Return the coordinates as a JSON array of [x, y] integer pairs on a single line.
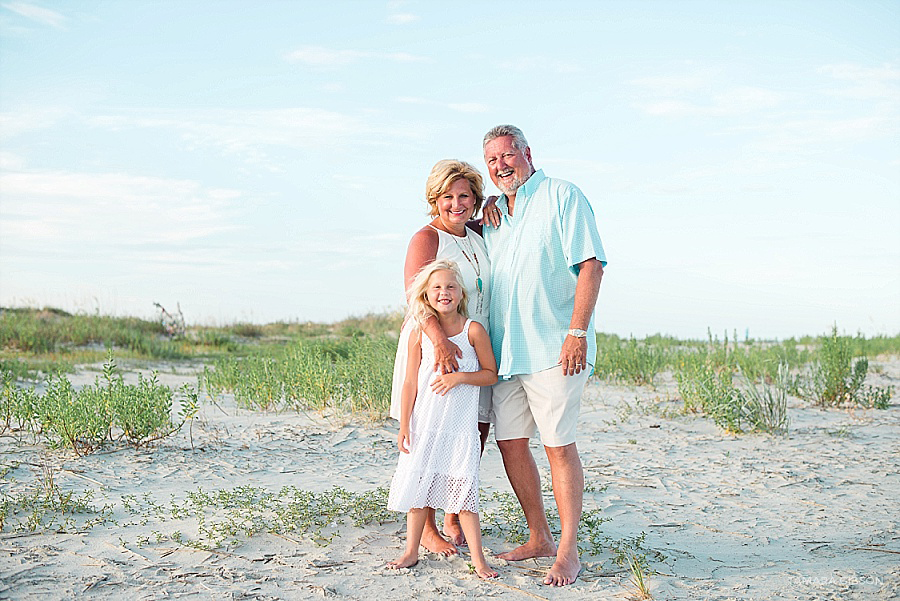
[[575, 332]]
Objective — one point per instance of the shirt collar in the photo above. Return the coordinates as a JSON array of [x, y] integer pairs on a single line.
[[528, 188]]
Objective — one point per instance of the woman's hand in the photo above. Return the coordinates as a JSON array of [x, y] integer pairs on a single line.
[[490, 214], [445, 383], [403, 440], [445, 354]]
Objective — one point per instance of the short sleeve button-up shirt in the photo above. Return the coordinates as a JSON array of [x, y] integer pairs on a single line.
[[534, 268]]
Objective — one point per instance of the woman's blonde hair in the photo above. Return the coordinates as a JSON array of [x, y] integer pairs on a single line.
[[444, 174], [419, 307]]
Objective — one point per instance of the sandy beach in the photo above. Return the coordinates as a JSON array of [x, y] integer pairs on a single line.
[[810, 515]]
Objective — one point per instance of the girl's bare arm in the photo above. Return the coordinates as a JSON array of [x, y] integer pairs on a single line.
[[409, 390]]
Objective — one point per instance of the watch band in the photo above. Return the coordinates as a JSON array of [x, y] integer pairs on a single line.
[[577, 333]]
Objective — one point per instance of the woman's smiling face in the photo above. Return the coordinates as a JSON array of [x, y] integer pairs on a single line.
[[457, 204]]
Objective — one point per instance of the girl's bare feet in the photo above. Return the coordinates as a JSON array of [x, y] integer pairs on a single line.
[[434, 542], [404, 561], [453, 530], [486, 572]]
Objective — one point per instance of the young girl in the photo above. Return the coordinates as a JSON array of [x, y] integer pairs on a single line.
[[438, 440]]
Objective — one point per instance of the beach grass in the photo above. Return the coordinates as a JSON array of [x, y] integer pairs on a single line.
[[347, 365], [84, 419]]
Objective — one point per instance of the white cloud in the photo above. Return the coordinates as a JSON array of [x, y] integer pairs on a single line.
[[36, 13], [865, 82], [402, 18], [469, 107], [10, 161], [319, 56], [62, 211], [669, 85], [539, 64], [460, 107], [14, 123], [251, 135], [740, 100]]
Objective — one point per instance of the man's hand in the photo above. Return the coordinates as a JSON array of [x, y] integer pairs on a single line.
[[573, 356], [445, 354], [490, 214]]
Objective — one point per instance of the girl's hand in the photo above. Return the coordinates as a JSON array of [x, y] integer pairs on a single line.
[[445, 383], [404, 440]]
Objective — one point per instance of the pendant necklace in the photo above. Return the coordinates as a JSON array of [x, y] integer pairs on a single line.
[[475, 266]]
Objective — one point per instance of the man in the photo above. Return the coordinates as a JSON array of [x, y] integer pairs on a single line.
[[546, 265]]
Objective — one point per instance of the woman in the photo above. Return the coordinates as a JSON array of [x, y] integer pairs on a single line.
[[454, 191]]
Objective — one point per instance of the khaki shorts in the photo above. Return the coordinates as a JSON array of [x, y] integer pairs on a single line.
[[547, 400]]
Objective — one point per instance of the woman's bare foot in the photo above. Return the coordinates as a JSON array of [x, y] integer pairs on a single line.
[[530, 550], [434, 542], [404, 561], [453, 530], [563, 572]]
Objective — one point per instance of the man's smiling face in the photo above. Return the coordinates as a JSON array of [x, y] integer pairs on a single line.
[[508, 166]]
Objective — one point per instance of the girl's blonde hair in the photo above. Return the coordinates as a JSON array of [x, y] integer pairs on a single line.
[[419, 307]]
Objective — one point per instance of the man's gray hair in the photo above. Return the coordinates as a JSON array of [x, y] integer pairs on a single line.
[[519, 141]]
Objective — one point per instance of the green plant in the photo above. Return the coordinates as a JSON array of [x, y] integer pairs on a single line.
[[766, 406], [877, 397], [710, 390], [836, 378], [638, 578], [45, 507], [350, 374], [85, 419], [631, 361]]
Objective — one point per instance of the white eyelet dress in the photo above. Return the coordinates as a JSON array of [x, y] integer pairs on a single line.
[[441, 469]]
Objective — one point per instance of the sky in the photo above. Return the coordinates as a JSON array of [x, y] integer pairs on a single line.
[[266, 161]]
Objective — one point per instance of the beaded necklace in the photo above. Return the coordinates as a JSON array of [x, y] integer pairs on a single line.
[[476, 266]]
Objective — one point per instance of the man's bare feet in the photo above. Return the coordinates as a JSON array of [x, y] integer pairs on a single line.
[[529, 550], [453, 530], [434, 542], [563, 572]]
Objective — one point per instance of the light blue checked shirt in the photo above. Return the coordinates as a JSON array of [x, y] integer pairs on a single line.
[[534, 257]]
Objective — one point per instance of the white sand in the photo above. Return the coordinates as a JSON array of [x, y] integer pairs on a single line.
[[810, 515]]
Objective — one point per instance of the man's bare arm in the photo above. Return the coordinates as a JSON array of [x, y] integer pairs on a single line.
[[573, 356]]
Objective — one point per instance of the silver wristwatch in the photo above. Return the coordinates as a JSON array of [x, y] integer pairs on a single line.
[[577, 333]]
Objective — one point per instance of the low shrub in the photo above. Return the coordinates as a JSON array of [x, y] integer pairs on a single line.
[[107, 411]]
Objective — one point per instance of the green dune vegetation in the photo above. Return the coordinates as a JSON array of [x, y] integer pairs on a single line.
[[346, 366]]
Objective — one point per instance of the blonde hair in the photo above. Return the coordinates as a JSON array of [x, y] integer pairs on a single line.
[[419, 307], [444, 174]]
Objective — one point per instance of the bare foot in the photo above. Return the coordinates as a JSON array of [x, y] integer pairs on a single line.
[[436, 543], [486, 573], [563, 572], [529, 550], [453, 530], [403, 561]]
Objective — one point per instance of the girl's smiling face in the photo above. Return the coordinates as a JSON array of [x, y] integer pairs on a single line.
[[443, 292]]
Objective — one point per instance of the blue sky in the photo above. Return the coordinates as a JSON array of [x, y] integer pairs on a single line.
[[262, 161]]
